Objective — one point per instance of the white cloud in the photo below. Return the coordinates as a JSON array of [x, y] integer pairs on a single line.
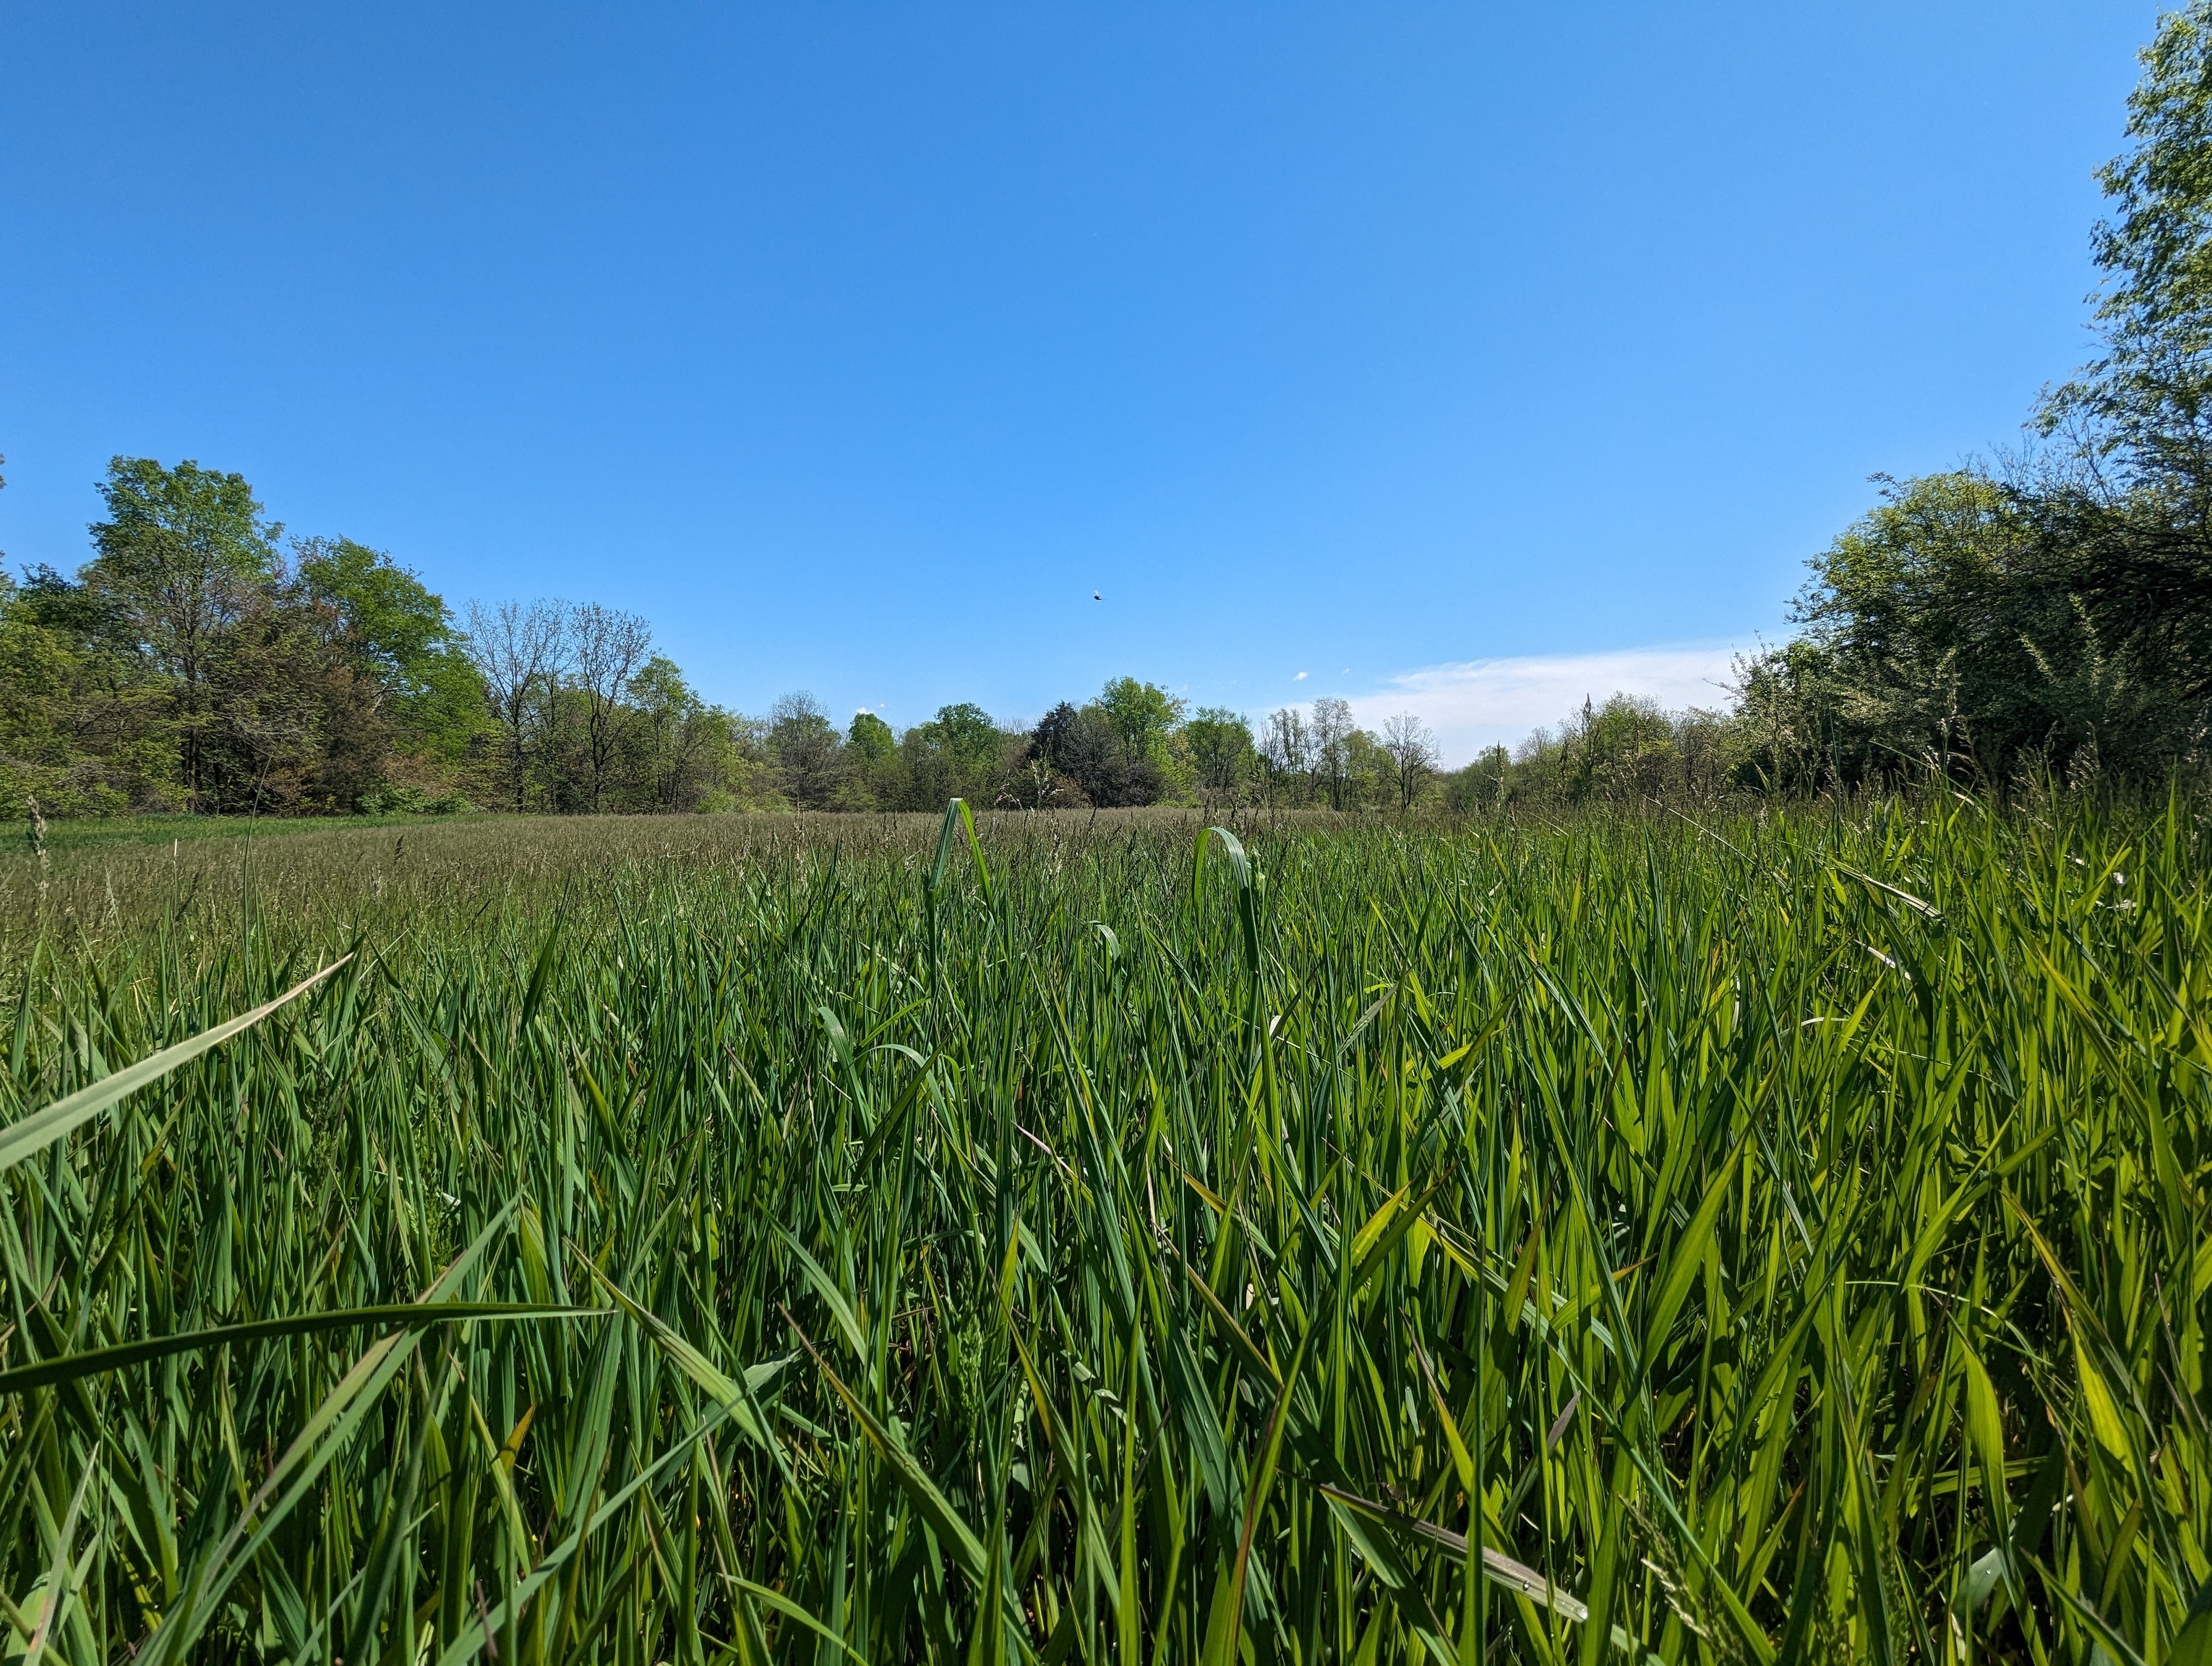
[[1300, 677], [1484, 702]]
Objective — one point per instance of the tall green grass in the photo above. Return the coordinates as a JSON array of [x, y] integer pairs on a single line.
[[1099, 1241]]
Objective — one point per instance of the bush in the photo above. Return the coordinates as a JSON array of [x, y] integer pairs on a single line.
[[414, 801]]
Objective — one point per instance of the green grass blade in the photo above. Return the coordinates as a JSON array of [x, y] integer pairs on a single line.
[[34, 1132]]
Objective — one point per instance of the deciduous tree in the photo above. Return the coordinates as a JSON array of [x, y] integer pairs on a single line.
[[606, 646], [1221, 751], [518, 649], [180, 556], [1411, 751], [808, 752]]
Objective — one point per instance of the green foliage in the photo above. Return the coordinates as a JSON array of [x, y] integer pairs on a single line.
[[404, 800], [2142, 409], [1221, 751], [181, 558], [1625, 750], [386, 618], [1484, 784], [1977, 630], [439, 713], [1777, 1237], [869, 738], [190, 667], [1948, 627], [960, 753], [399, 635], [686, 749], [81, 732], [1091, 762], [290, 721], [2158, 248], [176, 543], [966, 732], [1129, 747], [1142, 714]]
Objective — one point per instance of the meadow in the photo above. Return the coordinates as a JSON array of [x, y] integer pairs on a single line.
[[1722, 1236]]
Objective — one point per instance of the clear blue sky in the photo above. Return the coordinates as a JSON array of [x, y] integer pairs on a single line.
[[856, 345]]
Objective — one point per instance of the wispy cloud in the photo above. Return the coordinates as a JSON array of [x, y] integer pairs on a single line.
[[1476, 704]]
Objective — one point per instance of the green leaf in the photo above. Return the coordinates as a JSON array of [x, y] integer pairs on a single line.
[[1689, 1255], [952, 1533], [93, 1361], [734, 1398], [34, 1132]]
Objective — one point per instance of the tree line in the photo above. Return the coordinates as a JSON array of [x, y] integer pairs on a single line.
[[201, 661], [2048, 616]]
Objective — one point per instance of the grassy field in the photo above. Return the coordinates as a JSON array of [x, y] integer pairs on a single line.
[[125, 831], [773, 1239]]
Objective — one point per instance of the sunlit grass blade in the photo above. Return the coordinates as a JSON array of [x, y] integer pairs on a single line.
[[34, 1132]]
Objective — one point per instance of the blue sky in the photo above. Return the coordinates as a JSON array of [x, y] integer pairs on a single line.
[[1462, 357]]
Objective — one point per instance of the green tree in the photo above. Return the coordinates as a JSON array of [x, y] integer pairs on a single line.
[[1370, 776], [1329, 751], [85, 615], [292, 725], [1626, 749], [871, 764], [869, 739], [2144, 407], [959, 753], [1081, 747], [390, 621], [84, 729], [2122, 510], [1143, 714], [1482, 785], [1974, 626], [400, 635], [1286, 757], [1123, 748], [181, 555], [968, 733], [1222, 751], [685, 743]]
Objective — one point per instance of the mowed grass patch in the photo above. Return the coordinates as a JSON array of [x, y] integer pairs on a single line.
[[1074, 1239]]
